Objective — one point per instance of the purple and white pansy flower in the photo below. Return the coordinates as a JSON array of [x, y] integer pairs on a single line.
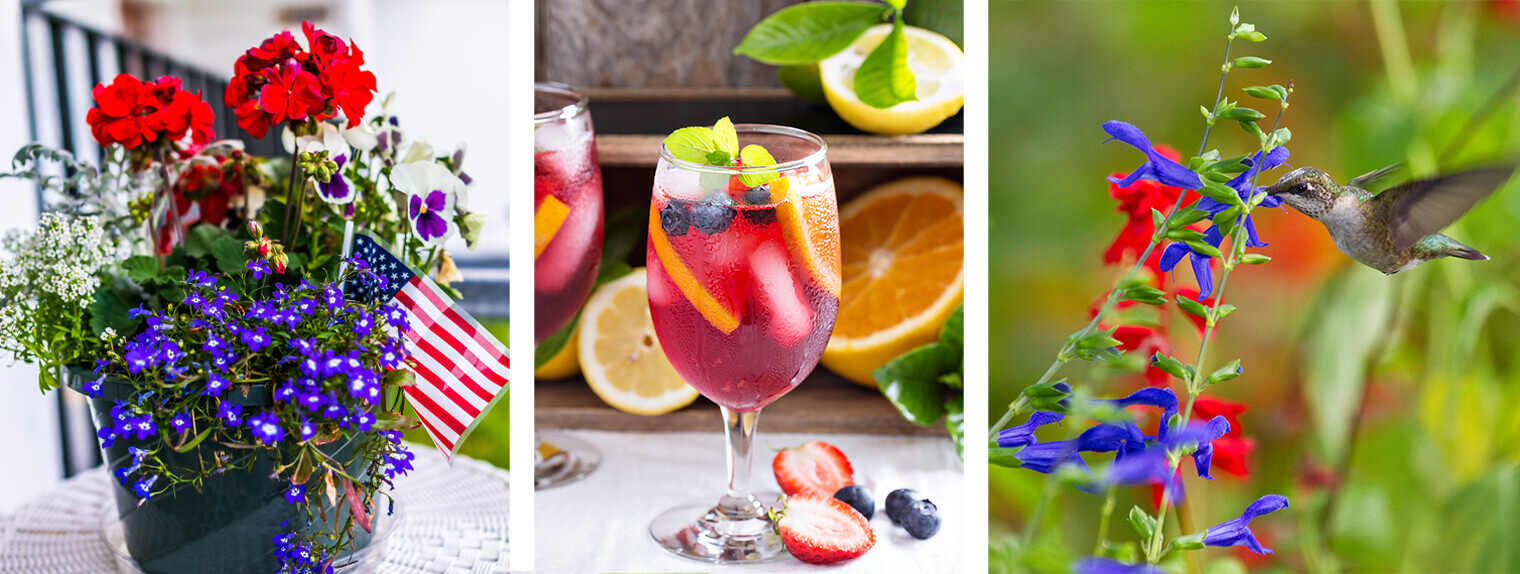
[[432, 196]]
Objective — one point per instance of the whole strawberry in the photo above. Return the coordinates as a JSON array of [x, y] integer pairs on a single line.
[[819, 529]]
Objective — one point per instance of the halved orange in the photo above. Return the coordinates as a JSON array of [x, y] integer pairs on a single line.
[[547, 220], [811, 227], [903, 272], [713, 310]]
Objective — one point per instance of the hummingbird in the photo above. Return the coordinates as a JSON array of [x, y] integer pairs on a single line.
[[1399, 228]]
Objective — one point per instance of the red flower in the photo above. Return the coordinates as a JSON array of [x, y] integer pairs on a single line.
[[130, 112], [203, 193], [1136, 202], [1231, 450], [1147, 342], [278, 80]]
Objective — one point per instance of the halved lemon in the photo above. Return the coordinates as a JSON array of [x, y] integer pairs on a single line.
[[903, 272], [936, 65], [620, 353], [564, 364]]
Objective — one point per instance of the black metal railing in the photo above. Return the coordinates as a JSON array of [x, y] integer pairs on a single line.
[[60, 49], [128, 56]]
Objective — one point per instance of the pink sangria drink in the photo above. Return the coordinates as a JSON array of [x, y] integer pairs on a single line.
[[567, 207], [744, 279]]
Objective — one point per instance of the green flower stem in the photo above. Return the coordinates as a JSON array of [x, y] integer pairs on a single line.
[[1108, 510], [1064, 355], [1197, 382]]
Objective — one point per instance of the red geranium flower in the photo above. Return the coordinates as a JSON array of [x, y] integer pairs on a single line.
[[278, 80], [203, 193], [130, 112]]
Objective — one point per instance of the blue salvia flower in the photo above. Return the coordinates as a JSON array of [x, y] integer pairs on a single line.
[[1202, 435], [1097, 565], [1149, 467], [1021, 435], [1157, 167], [1164, 399], [1237, 531]]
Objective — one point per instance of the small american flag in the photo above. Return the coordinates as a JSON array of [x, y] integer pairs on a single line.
[[461, 369]]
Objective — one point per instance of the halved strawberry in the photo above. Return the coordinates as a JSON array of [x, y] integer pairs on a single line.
[[816, 467], [818, 529]]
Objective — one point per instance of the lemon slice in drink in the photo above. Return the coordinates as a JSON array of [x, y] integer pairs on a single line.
[[936, 65], [620, 355]]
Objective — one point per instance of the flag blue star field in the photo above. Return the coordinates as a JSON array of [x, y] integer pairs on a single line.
[[460, 368]]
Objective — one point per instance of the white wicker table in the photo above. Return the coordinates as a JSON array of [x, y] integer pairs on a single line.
[[455, 522]]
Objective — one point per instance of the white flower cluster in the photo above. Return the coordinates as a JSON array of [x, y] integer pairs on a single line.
[[49, 275]]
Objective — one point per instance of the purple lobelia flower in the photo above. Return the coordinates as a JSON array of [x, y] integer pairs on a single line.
[[144, 488], [1237, 531], [230, 413], [259, 268], [1157, 167], [295, 494], [180, 422], [266, 427]]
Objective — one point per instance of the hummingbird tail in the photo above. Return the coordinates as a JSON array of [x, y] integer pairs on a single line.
[[1466, 252]]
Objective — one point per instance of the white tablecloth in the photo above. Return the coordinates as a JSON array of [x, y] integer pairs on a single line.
[[455, 522], [600, 524]]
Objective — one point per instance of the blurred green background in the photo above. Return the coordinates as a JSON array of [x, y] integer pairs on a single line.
[[488, 442], [1399, 453]]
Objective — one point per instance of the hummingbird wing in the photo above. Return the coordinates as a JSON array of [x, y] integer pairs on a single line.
[[1419, 208], [1365, 179]]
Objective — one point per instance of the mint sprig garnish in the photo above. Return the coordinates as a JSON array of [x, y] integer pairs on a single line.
[[719, 146]]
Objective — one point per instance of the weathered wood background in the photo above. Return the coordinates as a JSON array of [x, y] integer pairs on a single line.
[[650, 43]]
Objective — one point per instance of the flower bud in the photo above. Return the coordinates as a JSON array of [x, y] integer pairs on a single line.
[[280, 261], [255, 229]]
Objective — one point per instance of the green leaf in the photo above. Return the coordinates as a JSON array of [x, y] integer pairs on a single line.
[[1203, 248], [552, 345], [229, 256], [108, 310], [807, 33], [1254, 259], [400, 378], [1098, 340], [1144, 524], [198, 242], [1264, 92], [140, 268], [756, 156], [388, 421], [952, 333], [884, 79], [1242, 115], [1004, 457], [1251, 62], [1336, 346], [623, 230], [1224, 310], [1168, 364], [726, 137], [1225, 373], [911, 383], [193, 442], [945, 17], [1184, 235], [955, 419], [691, 144], [1192, 307], [718, 157]]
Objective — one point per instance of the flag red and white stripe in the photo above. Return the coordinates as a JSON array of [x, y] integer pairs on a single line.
[[460, 369]]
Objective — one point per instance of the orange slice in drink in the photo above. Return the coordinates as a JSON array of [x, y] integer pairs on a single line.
[[547, 220], [812, 230], [716, 313], [903, 273]]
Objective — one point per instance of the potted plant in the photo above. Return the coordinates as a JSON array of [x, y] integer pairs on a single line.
[[249, 404]]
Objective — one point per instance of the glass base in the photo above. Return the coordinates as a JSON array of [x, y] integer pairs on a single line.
[[698, 530], [561, 460]]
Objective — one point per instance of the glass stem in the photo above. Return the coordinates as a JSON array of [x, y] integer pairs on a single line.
[[739, 436]]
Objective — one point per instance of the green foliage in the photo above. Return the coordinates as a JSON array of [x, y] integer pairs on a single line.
[[924, 384], [807, 33]]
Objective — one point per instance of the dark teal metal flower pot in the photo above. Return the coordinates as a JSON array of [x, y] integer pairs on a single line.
[[228, 525]]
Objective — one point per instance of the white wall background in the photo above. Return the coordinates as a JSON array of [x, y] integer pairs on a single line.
[[446, 59]]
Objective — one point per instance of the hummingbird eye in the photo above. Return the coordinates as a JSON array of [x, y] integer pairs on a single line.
[[1301, 188]]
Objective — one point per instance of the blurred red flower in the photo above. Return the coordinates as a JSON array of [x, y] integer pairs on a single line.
[[1136, 202], [131, 112], [203, 193], [278, 80]]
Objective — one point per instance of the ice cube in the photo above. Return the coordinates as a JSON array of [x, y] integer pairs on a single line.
[[783, 305]]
